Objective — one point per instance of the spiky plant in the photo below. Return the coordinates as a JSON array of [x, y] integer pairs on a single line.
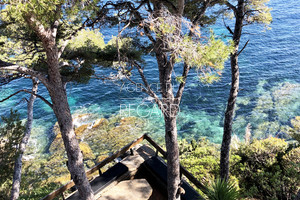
[[222, 190]]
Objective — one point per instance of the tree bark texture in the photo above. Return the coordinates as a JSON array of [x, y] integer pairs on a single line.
[[171, 106], [170, 115], [229, 114], [15, 190], [173, 167], [62, 112], [61, 108]]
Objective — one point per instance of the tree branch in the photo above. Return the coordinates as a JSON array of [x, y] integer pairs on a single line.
[[55, 24], [243, 48], [69, 38], [186, 68], [7, 78], [149, 7], [171, 5], [84, 25], [38, 27], [180, 7], [145, 27], [201, 12], [250, 11], [141, 72], [179, 93], [232, 7], [134, 10], [30, 92], [227, 27], [118, 37], [24, 70], [138, 85], [148, 88], [54, 28]]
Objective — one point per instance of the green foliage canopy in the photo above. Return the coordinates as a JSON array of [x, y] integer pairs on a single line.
[[85, 47]]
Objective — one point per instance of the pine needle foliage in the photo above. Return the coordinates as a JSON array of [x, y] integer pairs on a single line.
[[206, 56], [10, 137]]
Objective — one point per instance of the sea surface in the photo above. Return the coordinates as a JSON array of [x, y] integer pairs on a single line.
[[269, 94]]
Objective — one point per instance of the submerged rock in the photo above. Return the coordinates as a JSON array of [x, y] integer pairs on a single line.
[[100, 122], [80, 119], [80, 130]]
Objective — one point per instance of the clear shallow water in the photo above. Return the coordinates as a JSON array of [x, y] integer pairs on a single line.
[[270, 60]]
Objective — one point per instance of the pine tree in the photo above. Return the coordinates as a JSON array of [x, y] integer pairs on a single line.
[[177, 44], [39, 32], [246, 12], [11, 134]]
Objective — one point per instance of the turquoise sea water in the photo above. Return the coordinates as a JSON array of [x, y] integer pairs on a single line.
[[269, 96]]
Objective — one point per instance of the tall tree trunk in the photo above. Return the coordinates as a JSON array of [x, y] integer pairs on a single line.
[[61, 108], [170, 115], [173, 166], [15, 190], [170, 111], [62, 112], [170, 104], [229, 114], [75, 159], [225, 149]]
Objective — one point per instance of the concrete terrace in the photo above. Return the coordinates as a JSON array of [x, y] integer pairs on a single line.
[[140, 174]]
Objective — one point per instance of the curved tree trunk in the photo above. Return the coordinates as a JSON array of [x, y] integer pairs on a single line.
[[15, 190], [62, 112], [235, 74], [75, 158], [61, 108]]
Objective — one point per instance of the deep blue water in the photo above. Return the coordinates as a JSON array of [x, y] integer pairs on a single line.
[[269, 81]]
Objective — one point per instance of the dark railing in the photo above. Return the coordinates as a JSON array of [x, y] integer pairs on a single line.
[[117, 154]]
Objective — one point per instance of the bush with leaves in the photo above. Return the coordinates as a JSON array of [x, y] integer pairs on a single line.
[[267, 169], [201, 158], [295, 130], [263, 169]]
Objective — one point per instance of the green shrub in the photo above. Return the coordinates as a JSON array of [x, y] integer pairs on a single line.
[[201, 158], [264, 169], [267, 169], [291, 170], [295, 131]]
